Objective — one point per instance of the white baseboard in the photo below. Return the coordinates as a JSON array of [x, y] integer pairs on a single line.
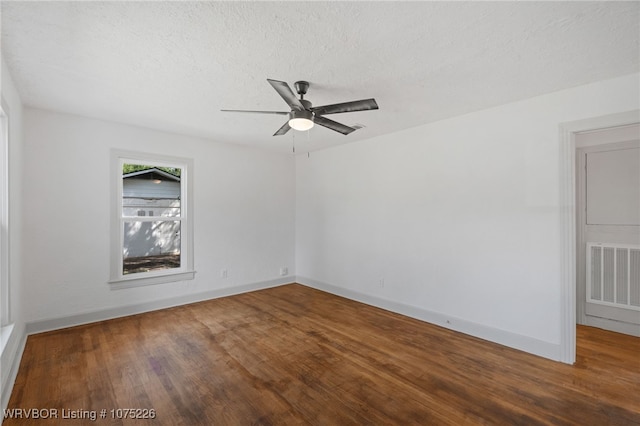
[[10, 363], [617, 326], [503, 337], [123, 311]]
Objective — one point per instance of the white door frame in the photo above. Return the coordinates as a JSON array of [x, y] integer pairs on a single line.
[[567, 209]]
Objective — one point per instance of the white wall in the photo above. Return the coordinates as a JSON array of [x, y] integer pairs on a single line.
[[10, 357], [460, 218], [243, 215]]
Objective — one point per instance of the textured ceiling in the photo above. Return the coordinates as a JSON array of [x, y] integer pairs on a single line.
[[173, 65]]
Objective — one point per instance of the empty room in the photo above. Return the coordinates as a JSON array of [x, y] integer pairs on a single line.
[[320, 213]]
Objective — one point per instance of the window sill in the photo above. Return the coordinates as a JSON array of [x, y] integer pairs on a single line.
[[5, 334], [151, 280]]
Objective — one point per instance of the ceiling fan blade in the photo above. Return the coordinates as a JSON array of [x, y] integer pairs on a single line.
[[333, 125], [284, 90], [282, 130], [361, 105], [255, 112]]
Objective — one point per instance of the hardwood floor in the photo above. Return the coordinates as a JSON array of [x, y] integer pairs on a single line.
[[293, 355]]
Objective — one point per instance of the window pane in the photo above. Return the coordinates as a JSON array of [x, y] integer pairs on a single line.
[[150, 191], [151, 246]]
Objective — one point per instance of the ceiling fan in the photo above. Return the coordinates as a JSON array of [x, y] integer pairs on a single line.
[[303, 115]]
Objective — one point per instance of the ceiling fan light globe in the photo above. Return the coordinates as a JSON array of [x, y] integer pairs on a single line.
[[300, 124], [301, 120]]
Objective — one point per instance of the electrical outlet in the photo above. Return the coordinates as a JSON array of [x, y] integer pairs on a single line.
[[381, 282], [223, 273], [284, 271]]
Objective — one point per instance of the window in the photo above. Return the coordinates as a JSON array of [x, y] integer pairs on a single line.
[[152, 235]]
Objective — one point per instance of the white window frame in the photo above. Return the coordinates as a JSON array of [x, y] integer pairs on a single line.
[[5, 296], [186, 270]]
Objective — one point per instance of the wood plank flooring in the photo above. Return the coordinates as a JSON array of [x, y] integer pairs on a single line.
[[293, 355]]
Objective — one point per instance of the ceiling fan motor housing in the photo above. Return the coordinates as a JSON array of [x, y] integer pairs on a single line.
[[301, 114], [306, 104], [308, 115]]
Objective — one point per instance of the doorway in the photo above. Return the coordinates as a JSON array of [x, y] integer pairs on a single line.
[[608, 228], [567, 220]]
